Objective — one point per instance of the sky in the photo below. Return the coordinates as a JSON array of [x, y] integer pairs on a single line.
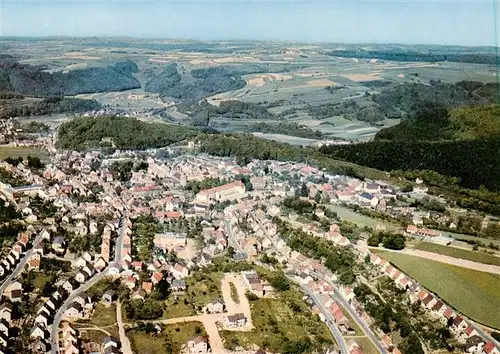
[[459, 22]]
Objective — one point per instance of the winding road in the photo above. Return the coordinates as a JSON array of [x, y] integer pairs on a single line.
[[20, 266]]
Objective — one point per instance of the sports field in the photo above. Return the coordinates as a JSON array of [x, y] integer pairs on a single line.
[[475, 294], [474, 256]]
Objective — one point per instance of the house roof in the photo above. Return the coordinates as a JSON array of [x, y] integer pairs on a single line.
[[236, 317]]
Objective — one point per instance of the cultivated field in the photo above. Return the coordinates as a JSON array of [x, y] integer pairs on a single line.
[[18, 151], [475, 294], [474, 256]]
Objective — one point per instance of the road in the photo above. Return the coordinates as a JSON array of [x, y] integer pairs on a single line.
[[232, 240], [119, 240], [339, 338], [54, 333], [20, 266], [126, 348], [91, 282], [364, 326]]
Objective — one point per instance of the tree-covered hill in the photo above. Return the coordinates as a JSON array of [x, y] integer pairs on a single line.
[[120, 132], [35, 81], [52, 105], [202, 82], [441, 124], [462, 142]]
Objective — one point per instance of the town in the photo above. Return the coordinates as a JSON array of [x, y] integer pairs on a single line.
[[166, 251]]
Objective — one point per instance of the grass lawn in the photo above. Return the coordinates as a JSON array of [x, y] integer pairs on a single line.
[[19, 151], [173, 336], [102, 316], [367, 345], [201, 289], [40, 280], [474, 256], [474, 293], [278, 321]]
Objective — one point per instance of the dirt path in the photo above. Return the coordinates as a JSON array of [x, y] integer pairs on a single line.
[[244, 304], [451, 260], [126, 347]]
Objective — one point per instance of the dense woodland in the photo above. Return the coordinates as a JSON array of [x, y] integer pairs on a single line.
[[35, 81], [120, 132], [405, 55], [50, 105], [201, 84]]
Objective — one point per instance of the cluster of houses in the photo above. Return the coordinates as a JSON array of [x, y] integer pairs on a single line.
[[464, 331], [9, 262], [257, 285]]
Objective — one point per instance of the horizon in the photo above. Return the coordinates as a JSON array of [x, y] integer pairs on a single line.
[[468, 24]]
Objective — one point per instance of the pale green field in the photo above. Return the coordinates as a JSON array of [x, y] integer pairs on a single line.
[[475, 294]]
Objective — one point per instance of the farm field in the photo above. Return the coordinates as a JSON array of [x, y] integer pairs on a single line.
[[276, 324], [367, 345], [18, 151], [473, 293], [171, 339], [474, 256]]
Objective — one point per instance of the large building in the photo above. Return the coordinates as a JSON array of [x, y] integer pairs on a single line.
[[228, 191]]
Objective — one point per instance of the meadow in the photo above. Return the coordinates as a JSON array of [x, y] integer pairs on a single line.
[[474, 256], [473, 293]]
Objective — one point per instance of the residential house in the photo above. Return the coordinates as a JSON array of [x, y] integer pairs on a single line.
[[236, 320], [108, 297], [6, 311], [156, 277], [215, 306], [37, 331], [197, 345], [178, 285], [147, 287], [59, 244]]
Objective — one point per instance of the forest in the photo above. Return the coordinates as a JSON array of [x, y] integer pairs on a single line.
[[402, 55], [119, 132], [50, 105], [474, 162], [35, 81], [203, 83]]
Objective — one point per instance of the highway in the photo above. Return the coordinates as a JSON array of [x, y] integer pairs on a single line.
[[354, 315], [20, 266]]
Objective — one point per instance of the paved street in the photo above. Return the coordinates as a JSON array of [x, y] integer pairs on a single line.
[[330, 322], [232, 240], [20, 266], [364, 326]]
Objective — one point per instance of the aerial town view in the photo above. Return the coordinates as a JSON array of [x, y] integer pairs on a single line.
[[162, 196]]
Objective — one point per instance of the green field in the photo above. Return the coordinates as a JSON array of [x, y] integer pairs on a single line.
[[102, 316], [18, 151], [474, 256], [201, 289], [276, 323], [367, 345], [170, 340], [475, 294]]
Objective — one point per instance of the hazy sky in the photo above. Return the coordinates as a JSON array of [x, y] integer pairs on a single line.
[[406, 21]]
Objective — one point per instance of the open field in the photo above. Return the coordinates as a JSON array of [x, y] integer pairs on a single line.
[[367, 345], [475, 294], [474, 256], [102, 316], [171, 339], [18, 151], [276, 323], [201, 289]]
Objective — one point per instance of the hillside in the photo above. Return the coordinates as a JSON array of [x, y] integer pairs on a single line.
[[196, 85], [120, 132], [35, 81], [19, 107], [439, 124], [463, 143]]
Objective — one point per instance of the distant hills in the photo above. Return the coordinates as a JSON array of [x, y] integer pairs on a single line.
[[35, 81], [461, 142]]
